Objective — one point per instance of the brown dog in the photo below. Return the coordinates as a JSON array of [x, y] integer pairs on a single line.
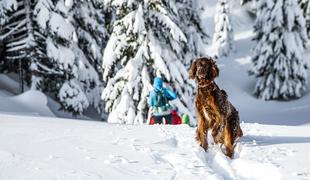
[[214, 110]]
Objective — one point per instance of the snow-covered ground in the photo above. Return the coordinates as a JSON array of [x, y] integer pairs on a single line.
[[37, 148]]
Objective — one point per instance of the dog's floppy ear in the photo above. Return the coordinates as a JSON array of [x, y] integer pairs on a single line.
[[192, 70], [214, 69]]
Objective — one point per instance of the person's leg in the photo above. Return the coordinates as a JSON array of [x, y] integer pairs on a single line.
[[158, 119], [168, 118]]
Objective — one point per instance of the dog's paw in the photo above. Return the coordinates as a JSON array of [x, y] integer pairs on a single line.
[[204, 146]]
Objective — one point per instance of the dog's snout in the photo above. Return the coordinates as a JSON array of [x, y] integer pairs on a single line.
[[200, 70]]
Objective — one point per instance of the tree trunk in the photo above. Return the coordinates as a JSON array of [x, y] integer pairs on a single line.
[[21, 77], [1, 47]]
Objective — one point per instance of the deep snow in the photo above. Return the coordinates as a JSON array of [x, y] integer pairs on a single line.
[[37, 148]]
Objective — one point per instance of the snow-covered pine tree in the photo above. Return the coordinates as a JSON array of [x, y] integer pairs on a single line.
[[305, 6], [89, 19], [277, 59], [145, 39], [57, 47], [6, 7], [22, 41], [75, 79], [186, 17], [223, 36]]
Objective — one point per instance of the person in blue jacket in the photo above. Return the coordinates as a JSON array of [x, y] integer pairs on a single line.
[[159, 102]]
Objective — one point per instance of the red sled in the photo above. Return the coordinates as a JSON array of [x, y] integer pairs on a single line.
[[176, 119]]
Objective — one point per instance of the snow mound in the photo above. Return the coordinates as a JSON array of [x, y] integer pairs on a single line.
[[37, 98], [29, 103]]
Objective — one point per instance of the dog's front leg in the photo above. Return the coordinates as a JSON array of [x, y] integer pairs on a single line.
[[228, 140], [202, 131]]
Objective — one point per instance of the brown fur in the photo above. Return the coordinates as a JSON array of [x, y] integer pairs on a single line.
[[215, 112]]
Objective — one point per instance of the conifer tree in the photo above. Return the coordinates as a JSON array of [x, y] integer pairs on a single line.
[[77, 82], [223, 35], [57, 45], [187, 18], [305, 6], [278, 61], [22, 41], [145, 39], [89, 19], [6, 8]]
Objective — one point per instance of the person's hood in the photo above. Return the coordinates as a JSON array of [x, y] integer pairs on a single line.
[[158, 84]]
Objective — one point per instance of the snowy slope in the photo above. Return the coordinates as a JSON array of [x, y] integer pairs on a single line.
[[30, 102], [235, 80], [37, 148]]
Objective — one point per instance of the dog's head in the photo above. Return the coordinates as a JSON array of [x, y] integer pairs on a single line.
[[203, 69]]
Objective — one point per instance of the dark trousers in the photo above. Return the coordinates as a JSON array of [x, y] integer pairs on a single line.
[[160, 120]]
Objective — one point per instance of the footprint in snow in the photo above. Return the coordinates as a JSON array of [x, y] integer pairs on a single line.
[[89, 158], [170, 141], [134, 140], [81, 149], [54, 157], [282, 151], [119, 141], [303, 175], [146, 171], [119, 159], [116, 141], [155, 171], [136, 147]]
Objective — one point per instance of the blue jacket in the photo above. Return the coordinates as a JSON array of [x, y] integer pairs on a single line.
[[158, 86]]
